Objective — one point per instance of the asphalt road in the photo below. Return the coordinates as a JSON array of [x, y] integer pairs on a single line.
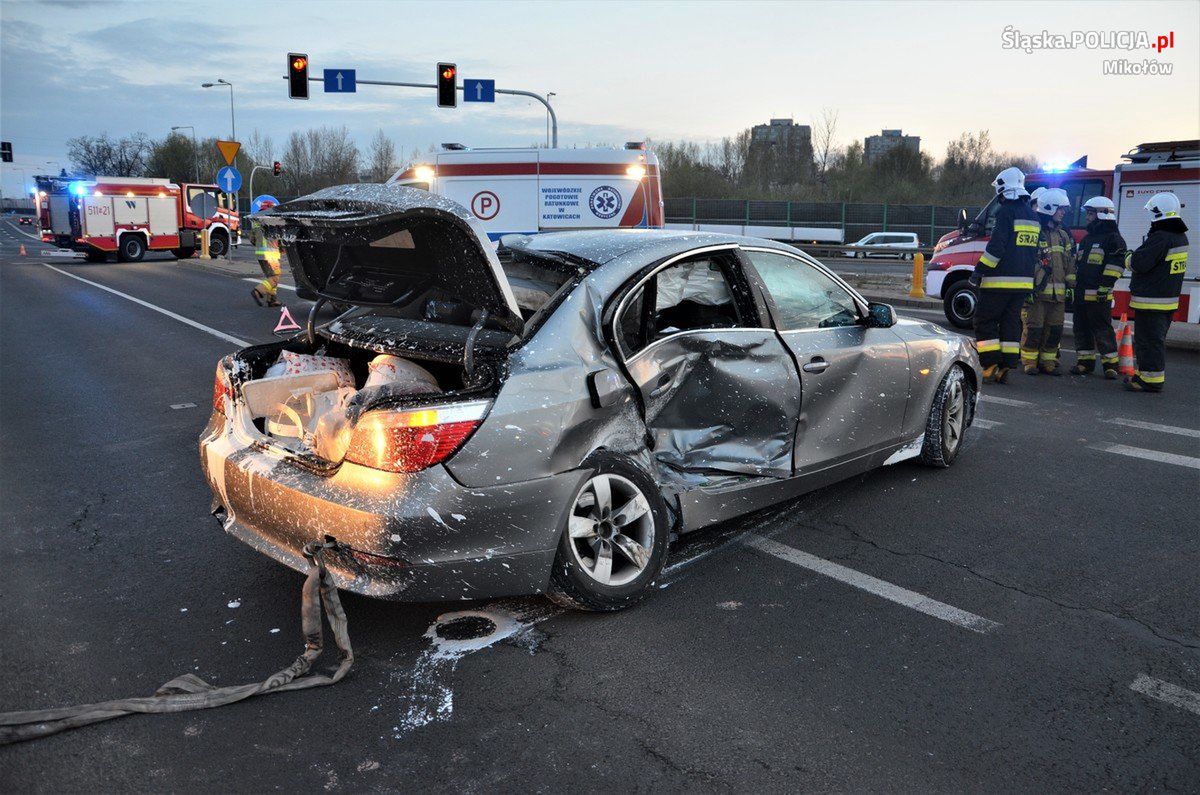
[[1047, 636]]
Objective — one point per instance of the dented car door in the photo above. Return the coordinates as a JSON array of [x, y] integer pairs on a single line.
[[719, 391]]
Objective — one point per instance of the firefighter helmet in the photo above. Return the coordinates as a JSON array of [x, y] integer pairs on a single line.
[[1010, 183], [1163, 205], [1103, 206], [1052, 200]]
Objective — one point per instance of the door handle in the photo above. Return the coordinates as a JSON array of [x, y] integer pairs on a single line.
[[664, 382], [817, 365]]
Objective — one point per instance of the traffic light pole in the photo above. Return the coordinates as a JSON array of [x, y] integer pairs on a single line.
[[510, 91]]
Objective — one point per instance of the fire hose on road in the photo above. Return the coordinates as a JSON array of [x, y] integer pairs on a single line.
[[190, 692]]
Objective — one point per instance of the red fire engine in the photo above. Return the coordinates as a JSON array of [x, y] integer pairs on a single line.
[[129, 216]]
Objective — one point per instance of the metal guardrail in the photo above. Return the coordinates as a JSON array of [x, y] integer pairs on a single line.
[[855, 220], [872, 253]]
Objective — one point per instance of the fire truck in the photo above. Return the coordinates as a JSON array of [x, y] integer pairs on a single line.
[[1152, 168], [539, 190], [129, 216]]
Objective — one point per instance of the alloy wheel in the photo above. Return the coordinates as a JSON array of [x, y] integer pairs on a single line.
[[611, 530], [952, 422]]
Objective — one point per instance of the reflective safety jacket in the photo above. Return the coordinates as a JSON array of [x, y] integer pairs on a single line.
[[1158, 267], [1012, 252], [263, 248], [1101, 260], [1055, 270]]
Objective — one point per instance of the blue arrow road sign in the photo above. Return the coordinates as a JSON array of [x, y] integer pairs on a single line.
[[340, 81], [479, 90], [229, 179], [257, 204]]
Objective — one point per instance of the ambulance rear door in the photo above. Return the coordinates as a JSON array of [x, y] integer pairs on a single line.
[[498, 187]]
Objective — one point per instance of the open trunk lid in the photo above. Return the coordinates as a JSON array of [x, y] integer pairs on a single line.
[[376, 245]]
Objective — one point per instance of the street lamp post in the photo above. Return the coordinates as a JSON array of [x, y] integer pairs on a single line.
[[551, 94], [232, 123], [195, 149]]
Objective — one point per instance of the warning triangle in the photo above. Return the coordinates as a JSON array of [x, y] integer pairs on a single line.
[[229, 150], [286, 323]]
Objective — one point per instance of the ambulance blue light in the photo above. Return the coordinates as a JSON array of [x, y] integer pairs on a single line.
[[78, 188]]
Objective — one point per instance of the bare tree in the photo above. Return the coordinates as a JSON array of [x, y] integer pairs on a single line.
[[824, 131], [318, 158], [99, 155], [382, 157]]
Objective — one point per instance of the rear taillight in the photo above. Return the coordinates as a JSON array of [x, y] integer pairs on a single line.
[[222, 389], [413, 439]]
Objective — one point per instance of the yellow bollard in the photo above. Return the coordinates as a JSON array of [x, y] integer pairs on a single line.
[[204, 244], [918, 277]]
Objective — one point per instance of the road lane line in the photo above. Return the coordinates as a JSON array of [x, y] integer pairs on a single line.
[[1001, 401], [148, 305], [27, 234], [1151, 426], [881, 588], [1149, 455], [983, 424], [1165, 691], [281, 284]]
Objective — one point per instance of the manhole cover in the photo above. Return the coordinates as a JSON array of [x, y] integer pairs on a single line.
[[466, 628]]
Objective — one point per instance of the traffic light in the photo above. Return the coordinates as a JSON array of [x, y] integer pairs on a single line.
[[277, 168], [447, 85], [297, 65]]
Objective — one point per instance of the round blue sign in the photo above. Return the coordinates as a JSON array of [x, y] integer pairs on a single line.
[[229, 179], [257, 204]]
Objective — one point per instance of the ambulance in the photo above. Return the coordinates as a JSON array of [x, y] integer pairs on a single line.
[[1152, 168], [541, 190]]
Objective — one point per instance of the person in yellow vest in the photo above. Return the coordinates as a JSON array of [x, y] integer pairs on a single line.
[[265, 293], [1053, 281]]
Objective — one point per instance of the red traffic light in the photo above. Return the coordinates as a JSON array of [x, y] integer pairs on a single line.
[[299, 63], [447, 74], [277, 168], [447, 85]]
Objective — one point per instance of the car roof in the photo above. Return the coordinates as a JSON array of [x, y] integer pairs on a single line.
[[605, 245]]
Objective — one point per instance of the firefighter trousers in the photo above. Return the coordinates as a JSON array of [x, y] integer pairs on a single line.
[[1150, 346], [1043, 326], [998, 327], [1094, 335]]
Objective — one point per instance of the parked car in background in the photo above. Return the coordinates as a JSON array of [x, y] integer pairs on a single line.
[[25, 220], [901, 245], [578, 398]]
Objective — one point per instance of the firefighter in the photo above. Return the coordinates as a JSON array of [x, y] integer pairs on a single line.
[[1158, 266], [267, 253], [1100, 262], [1053, 280], [1003, 277], [1033, 197]]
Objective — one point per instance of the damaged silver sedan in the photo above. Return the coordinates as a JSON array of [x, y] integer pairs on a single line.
[[545, 417]]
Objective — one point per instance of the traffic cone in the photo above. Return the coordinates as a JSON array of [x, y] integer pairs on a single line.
[[22, 249], [1125, 349]]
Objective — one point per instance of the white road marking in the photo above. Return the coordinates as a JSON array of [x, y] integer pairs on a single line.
[[1002, 401], [18, 230], [1150, 455], [986, 425], [1150, 426], [881, 588], [148, 305], [1165, 691], [281, 284]]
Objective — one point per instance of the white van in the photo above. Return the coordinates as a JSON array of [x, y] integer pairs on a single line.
[[540, 190]]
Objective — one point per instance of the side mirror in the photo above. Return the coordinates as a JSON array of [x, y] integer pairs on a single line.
[[880, 316], [962, 219]]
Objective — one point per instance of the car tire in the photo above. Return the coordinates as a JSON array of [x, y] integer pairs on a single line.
[[624, 555], [132, 248], [183, 253], [947, 425], [218, 245], [959, 304]]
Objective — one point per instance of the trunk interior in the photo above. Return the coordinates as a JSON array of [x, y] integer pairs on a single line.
[[251, 370]]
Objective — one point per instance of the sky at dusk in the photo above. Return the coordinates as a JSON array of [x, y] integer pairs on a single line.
[[665, 71]]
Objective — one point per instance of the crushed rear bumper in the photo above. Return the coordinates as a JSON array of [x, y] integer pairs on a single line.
[[411, 537]]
